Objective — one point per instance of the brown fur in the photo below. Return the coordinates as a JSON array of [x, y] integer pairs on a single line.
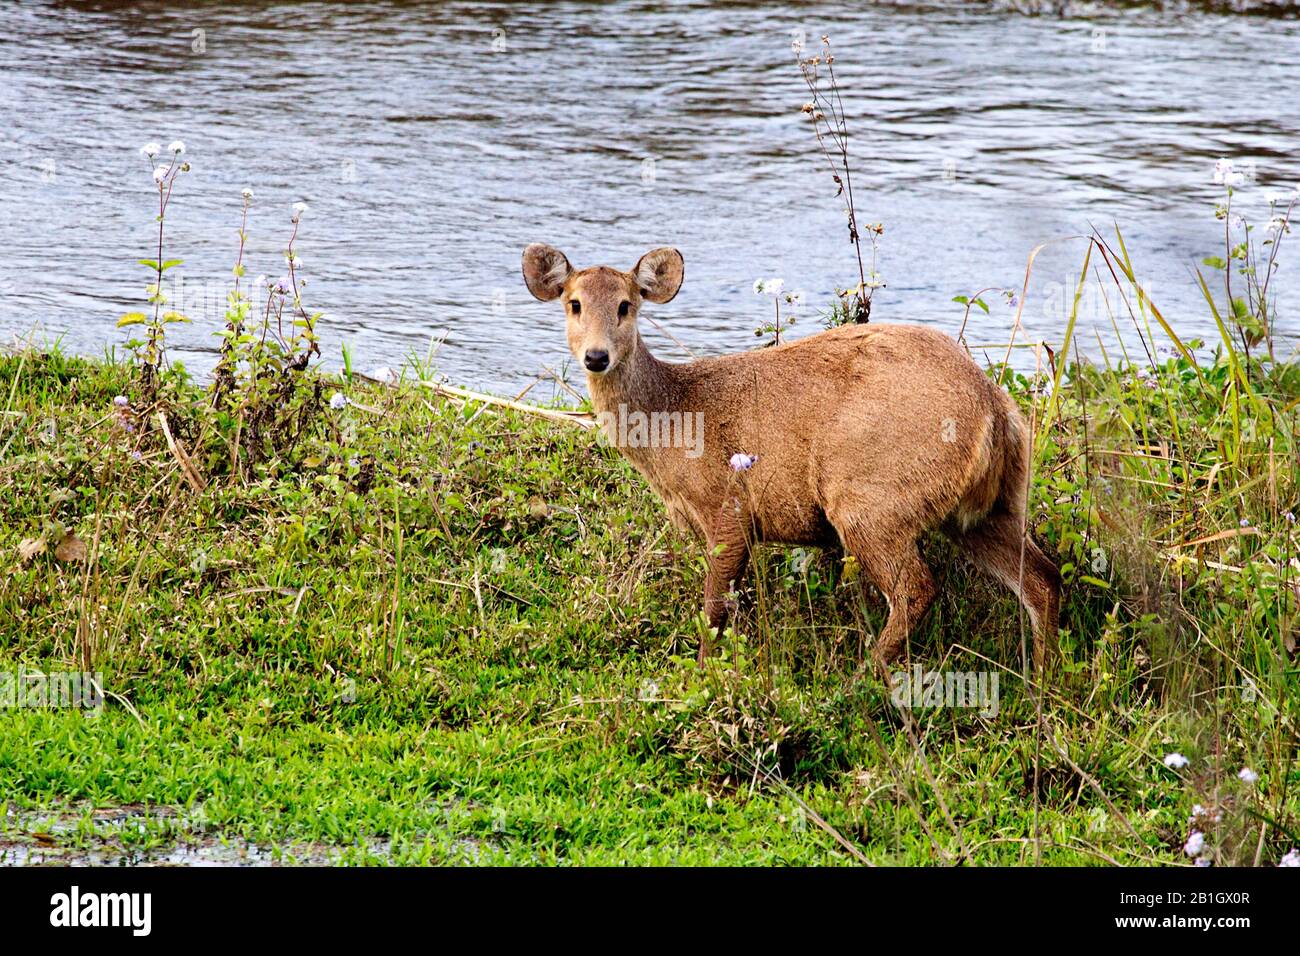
[[866, 436]]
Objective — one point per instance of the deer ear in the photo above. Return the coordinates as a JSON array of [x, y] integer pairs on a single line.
[[659, 273], [545, 271]]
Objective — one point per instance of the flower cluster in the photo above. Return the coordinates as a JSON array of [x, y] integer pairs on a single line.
[[122, 413], [1147, 377], [1225, 175], [1203, 820], [775, 287], [165, 171]]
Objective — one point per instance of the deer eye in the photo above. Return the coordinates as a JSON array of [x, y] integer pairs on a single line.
[[622, 309], [575, 306]]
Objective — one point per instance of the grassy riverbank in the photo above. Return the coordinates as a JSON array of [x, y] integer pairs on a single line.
[[451, 634]]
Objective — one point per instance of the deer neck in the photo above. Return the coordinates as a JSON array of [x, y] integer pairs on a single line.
[[643, 388], [640, 383]]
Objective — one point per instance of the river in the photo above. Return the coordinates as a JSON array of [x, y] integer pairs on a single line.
[[432, 143]]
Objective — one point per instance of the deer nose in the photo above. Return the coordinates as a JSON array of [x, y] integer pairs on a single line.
[[596, 360]]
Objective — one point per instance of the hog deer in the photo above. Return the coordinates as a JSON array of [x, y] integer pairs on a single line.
[[863, 436]]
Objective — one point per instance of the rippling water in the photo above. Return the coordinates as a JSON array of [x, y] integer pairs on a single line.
[[432, 144]]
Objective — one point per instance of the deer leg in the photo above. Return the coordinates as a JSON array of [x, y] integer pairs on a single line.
[[999, 547], [908, 586], [728, 555], [893, 563]]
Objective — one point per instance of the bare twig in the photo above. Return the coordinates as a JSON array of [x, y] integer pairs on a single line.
[[188, 468]]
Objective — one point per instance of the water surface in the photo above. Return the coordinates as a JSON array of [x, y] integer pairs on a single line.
[[433, 142]]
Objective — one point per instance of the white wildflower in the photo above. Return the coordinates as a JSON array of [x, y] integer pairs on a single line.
[[742, 462], [247, 193], [176, 146], [1292, 858], [298, 209], [1195, 843], [160, 173], [1176, 761], [1247, 775], [1222, 169], [338, 401], [1202, 815], [150, 149]]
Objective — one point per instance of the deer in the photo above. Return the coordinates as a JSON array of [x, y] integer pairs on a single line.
[[864, 437]]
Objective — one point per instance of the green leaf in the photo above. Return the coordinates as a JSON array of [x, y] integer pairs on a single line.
[[171, 262], [1214, 262], [151, 263], [983, 305], [132, 318], [169, 317]]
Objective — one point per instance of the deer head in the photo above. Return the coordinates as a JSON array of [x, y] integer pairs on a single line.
[[601, 304]]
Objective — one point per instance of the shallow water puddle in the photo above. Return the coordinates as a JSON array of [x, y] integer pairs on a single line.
[[152, 836]]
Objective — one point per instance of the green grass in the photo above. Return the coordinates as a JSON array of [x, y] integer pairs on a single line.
[[444, 634]]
